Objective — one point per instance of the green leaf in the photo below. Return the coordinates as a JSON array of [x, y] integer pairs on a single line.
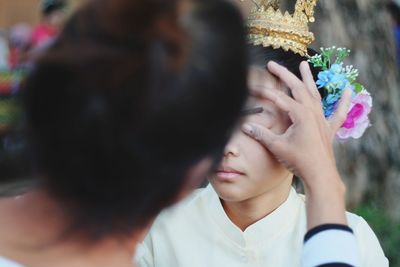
[[358, 87]]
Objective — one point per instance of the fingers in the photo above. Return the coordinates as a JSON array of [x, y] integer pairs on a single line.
[[295, 85], [308, 79], [305, 93], [258, 90], [281, 100], [264, 135], [340, 115]]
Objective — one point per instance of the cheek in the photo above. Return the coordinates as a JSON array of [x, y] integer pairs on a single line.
[[258, 158]]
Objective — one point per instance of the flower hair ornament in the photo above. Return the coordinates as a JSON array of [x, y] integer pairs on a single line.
[[333, 79]]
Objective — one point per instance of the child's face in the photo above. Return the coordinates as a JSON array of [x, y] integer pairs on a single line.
[[248, 169]]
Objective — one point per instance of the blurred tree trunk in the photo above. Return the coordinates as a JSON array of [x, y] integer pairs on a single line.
[[371, 165]]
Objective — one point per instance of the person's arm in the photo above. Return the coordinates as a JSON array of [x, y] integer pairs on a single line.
[[306, 149], [330, 245]]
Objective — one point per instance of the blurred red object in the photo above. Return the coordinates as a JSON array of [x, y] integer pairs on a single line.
[[42, 34]]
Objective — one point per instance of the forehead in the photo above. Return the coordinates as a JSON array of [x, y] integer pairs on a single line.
[[260, 78]]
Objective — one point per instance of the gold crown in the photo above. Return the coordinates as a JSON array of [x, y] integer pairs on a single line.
[[267, 26]]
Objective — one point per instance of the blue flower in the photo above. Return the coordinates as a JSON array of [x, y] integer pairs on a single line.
[[332, 98], [324, 78], [329, 109], [336, 68], [333, 78], [329, 104]]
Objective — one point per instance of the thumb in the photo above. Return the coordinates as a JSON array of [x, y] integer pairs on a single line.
[[264, 136]]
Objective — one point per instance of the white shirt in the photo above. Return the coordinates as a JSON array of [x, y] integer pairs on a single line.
[[198, 233], [7, 263], [318, 249]]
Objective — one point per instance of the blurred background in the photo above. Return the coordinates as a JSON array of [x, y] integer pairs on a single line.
[[370, 165], [27, 11], [27, 27], [369, 28]]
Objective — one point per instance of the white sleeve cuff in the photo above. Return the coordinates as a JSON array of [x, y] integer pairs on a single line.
[[330, 244]]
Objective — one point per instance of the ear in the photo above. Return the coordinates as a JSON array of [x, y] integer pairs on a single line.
[[195, 176]]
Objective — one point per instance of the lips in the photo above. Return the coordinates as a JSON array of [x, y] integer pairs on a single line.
[[229, 170], [228, 174]]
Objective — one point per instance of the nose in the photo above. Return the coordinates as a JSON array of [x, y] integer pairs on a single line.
[[232, 149]]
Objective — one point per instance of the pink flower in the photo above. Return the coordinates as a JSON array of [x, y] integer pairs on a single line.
[[357, 119]]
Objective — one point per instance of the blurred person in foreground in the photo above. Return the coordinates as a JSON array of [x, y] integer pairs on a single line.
[[127, 112]]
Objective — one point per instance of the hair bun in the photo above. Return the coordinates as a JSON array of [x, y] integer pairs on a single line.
[[144, 21], [136, 15]]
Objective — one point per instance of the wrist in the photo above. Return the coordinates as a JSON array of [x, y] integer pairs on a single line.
[[327, 186], [325, 200], [323, 180]]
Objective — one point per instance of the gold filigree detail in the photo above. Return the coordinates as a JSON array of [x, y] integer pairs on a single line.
[[268, 26]]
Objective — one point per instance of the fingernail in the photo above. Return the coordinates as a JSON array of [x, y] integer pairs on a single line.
[[306, 63], [247, 128], [272, 63]]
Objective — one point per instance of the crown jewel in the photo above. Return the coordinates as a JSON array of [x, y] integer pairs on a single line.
[[268, 26]]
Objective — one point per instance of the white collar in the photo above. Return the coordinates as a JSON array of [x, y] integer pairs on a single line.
[[284, 218]]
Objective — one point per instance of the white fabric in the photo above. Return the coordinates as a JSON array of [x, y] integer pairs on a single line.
[[8, 263], [198, 233], [333, 246]]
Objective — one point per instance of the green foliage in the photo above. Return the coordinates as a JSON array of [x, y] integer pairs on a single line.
[[387, 230], [358, 87], [328, 57]]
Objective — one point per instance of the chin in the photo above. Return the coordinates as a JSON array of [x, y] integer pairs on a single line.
[[229, 192]]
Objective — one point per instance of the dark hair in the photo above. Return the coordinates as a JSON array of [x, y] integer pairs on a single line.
[[260, 56], [50, 6], [131, 95]]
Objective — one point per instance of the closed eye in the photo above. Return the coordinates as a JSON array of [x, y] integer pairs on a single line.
[[259, 111], [252, 111]]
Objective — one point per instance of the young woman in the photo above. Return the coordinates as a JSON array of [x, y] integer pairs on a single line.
[[250, 215]]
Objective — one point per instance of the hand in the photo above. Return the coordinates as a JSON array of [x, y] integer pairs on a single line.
[[306, 147]]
